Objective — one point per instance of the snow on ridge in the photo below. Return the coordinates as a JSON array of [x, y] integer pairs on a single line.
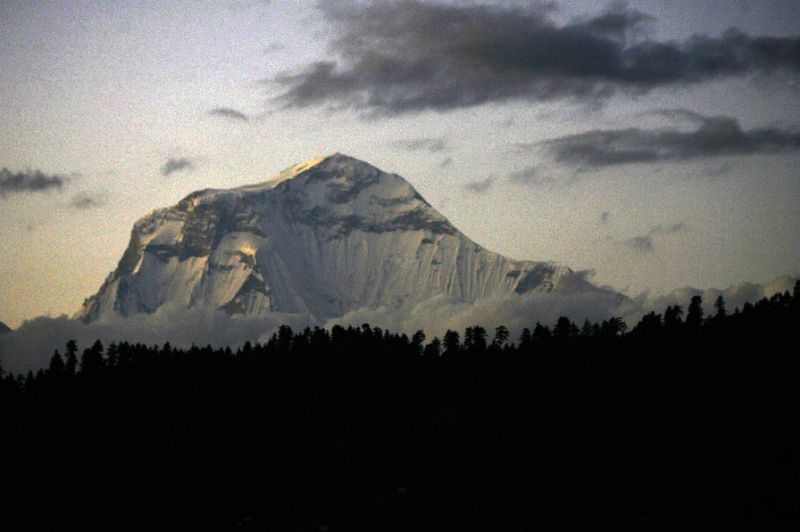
[[287, 174]]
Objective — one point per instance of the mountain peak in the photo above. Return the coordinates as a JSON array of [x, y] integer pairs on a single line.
[[336, 163], [322, 238]]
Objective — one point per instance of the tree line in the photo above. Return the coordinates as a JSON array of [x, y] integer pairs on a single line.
[[682, 421]]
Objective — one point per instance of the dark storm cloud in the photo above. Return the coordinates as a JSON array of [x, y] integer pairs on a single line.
[[227, 112], [433, 145], [28, 181], [176, 165], [714, 137], [407, 56]]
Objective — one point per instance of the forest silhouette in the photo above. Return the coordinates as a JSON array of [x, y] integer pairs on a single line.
[[685, 421]]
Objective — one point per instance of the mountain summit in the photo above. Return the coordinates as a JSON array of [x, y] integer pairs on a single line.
[[321, 238]]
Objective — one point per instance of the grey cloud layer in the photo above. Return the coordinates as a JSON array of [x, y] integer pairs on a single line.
[[407, 56], [714, 137], [176, 165], [28, 181]]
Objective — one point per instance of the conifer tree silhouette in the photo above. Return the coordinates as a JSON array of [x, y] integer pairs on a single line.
[[500, 337], [71, 365], [694, 316], [56, 367], [719, 305], [452, 342]]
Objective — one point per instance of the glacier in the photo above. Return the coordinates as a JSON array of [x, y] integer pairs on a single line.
[[321, 239]]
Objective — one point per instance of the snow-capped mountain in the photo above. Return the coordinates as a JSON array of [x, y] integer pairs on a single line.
[[322, 238]]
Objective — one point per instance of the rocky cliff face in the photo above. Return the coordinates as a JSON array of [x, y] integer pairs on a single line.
[[322, 238]]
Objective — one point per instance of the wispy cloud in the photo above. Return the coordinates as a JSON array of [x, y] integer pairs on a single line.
[[274, 47], [479, 187], [645, 243], [176, 165], [85, 201], [228, 112], [641, 242], [413, 55], [433, 145], [28, 181], [669, 229], [246, 5], [531, 175]]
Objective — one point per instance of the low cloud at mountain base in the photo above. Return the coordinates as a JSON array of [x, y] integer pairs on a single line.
[[30, 346]]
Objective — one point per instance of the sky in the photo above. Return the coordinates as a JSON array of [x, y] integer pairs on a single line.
[[656, 144]]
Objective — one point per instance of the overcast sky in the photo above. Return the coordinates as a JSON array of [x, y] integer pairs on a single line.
[[657, 143]]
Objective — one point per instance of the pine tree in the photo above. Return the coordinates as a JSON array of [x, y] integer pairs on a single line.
[[694, 318], [71, 366], [452, 342], [475, 337], [29, 383], [433, 349], [719, 304], [500, 336], [525, 339], [92, 358], [541, 333], [56, 367], [673, 317], [565, 329], [285, 336], [417, 341], [613, 327]]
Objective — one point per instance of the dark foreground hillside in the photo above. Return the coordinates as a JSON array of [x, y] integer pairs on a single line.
[[686, 421]]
